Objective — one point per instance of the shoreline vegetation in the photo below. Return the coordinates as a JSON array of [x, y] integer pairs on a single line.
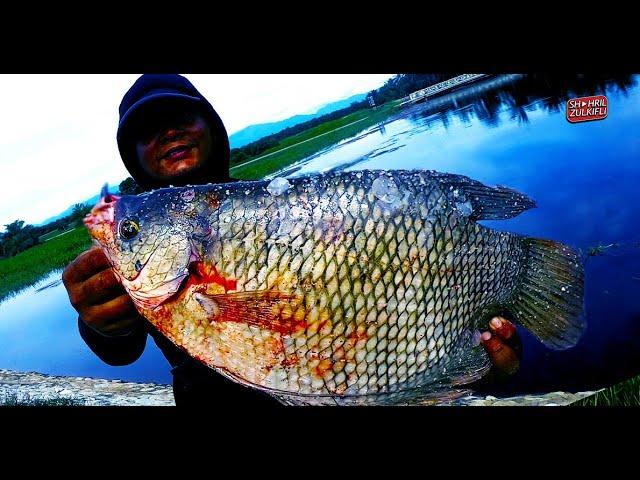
[[32, 265], [623, 394]]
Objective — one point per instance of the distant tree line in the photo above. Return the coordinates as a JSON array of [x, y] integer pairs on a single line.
[[396, 87], [402, 85], [17, 236], [129, 187]]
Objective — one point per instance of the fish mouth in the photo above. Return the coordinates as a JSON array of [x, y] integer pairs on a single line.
[[101, 215]]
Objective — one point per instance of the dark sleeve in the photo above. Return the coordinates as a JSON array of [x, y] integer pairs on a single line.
[[116, 350]]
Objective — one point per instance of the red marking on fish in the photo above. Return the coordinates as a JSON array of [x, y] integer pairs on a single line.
[[338, 354], [163, 319], [203, 274], [359, 334], [262, 309], [200, 276], [290, 360], [299, 327], [275, 347]]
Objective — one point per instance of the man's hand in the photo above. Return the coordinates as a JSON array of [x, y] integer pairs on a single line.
[[97, 295], [504, 347]]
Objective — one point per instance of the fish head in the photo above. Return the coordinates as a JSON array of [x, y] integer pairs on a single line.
[[149, 249]]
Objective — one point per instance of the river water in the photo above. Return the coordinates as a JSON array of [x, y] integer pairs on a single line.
[[39, 333], [507, 130]]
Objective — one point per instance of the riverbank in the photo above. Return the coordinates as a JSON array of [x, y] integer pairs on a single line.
[[17, 388]]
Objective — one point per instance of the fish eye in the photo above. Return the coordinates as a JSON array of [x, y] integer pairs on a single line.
[[128, 229]]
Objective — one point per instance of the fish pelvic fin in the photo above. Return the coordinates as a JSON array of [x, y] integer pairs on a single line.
[[549, 299]]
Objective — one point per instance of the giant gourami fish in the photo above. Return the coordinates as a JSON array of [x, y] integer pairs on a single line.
[[364, 287]]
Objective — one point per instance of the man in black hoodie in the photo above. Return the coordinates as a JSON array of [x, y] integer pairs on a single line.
[[169, 134]]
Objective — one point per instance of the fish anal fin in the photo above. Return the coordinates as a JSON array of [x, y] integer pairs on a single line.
[[468, 363]]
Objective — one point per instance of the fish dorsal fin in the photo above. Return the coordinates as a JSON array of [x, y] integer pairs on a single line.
[[481, 201]]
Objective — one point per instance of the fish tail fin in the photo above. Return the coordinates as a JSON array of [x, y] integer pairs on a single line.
[[549, 300]]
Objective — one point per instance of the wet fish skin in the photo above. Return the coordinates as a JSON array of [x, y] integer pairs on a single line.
[[343, 288]]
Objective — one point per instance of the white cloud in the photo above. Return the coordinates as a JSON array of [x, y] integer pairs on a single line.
[[57, 132]]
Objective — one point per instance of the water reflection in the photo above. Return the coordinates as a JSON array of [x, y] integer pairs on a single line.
[[39, 333], [518, 95]]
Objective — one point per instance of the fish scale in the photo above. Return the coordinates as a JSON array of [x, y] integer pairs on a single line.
[[360, 287], [357, 246]]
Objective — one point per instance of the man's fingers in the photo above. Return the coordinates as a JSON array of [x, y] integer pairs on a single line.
[[85, 266], [502, 327], [507, 332], [102, 286], [106, 313], [502, 356]]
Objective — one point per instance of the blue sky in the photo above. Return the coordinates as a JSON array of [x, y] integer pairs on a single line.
[[57, 132]]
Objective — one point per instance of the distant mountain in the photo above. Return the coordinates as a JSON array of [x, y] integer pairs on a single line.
[[333, 106], [261, 130], [91, 201]]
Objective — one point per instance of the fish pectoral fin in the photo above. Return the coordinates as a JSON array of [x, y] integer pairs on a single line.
[[265, 309], [487, 203]]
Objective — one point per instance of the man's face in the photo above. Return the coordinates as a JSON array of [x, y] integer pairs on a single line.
[[173, 142]]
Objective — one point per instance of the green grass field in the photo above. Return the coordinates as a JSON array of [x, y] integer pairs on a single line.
[[292, 150], [26, 268], [319, 130]]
